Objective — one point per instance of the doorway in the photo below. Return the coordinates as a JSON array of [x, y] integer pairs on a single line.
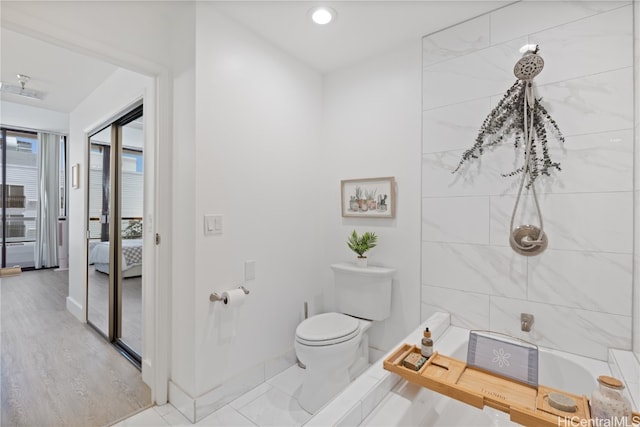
[[115, 232]]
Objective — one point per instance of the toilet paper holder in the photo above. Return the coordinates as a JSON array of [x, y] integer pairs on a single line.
[[217, 297]]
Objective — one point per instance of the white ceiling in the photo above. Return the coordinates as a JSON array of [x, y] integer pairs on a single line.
[[362, 29], [66, 77]]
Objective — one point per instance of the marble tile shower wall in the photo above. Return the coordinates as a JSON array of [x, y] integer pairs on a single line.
[[580, 288]]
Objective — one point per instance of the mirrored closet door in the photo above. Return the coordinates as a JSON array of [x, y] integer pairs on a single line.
[[114, 235]]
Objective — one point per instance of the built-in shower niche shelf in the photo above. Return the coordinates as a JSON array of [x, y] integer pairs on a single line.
[[525, 404]]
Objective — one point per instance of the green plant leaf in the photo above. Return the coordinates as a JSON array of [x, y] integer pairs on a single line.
[[362, 244]]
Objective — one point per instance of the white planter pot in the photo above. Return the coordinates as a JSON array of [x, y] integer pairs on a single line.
[[361, 262]]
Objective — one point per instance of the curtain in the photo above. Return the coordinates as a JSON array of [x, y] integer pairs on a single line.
[[49, 200]]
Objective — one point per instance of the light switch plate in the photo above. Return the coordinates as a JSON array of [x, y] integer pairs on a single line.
[[212, 225]]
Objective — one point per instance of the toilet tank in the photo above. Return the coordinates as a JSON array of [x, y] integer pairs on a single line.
[[363, 292]]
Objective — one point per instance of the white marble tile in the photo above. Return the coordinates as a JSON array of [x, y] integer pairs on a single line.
[[593, 163], [468, 310], [528, 17], [597, 162], [275, 408], [289, 381], [634, 397], [477, 177], [228, 391], [581, 222], [352, 418], [626, 367], [595, 281], [336, 409], [591, 104], [146, 418], [250, 396], [438, 323], [375, 396], [174, 418], [588, 46], [226, 417], [164, 409], [455, 41], [406, 411], [182, 401], [583, 332], [273, 367], [453, 127], [375, 354], [456, 219], [479, 74], [376, 370], [481, 269]]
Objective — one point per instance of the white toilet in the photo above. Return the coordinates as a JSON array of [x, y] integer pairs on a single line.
[[334, 346]]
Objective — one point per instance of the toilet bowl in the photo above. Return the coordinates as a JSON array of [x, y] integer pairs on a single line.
[[330, 345], [334, 346]]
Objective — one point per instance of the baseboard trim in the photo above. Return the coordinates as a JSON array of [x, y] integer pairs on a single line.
[[196, 409], [76, 309], [182, 401], [147, 374]]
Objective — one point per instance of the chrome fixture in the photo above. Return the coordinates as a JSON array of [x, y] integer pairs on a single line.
[[526, 321], [217, 297]]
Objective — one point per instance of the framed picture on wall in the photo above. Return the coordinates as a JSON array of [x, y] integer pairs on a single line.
[[369, 197]]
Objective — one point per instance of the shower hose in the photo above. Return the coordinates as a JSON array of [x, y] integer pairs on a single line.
[[526, 242]]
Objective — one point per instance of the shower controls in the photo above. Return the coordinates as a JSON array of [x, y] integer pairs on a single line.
[[526, 321]]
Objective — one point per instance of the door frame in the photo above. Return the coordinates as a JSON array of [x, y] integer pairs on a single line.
[[114, 323]]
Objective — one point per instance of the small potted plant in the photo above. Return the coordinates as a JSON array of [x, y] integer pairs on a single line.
[[361, 245], [371, 199]]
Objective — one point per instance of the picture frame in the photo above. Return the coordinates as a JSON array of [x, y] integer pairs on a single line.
[[368, 197], [75, 176]]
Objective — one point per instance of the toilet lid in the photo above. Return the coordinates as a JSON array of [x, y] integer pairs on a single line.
[[327, 328]]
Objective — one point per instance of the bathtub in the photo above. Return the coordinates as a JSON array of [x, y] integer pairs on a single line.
[[411, 405]]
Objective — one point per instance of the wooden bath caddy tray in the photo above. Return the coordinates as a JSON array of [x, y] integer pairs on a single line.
[[525, 404]]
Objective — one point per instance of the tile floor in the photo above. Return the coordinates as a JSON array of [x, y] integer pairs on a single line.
[[272, 403]]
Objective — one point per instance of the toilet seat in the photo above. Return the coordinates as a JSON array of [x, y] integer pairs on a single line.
[[327, 329]]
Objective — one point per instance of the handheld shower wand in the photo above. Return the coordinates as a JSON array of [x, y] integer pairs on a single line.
[[528, 240]]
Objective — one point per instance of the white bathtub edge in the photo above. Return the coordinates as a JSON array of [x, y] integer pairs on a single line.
[[625, 366], [357, 401]]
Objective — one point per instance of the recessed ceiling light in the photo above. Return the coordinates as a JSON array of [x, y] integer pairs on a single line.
[[322, 15]]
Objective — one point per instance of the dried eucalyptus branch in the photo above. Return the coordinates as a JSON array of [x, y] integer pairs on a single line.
[[507, 120]]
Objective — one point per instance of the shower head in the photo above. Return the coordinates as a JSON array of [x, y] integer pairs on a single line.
[[529, 66]]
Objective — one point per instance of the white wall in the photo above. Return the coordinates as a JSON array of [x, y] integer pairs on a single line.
[[255, 161], [183, 287], [108, 100], [580, 288], [25, 116], [372, 129]]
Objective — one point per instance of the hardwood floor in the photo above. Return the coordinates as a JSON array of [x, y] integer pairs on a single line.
[[56, 371]]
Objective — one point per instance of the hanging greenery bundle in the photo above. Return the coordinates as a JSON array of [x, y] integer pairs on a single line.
[[508, 119]]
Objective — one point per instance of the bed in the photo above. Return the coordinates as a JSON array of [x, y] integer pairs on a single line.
[[131, 257]]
